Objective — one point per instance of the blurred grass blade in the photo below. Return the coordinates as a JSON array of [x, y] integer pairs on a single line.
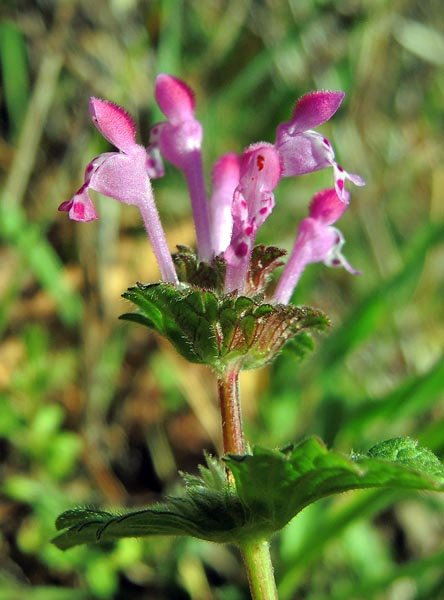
[[14, 66], [9, 297], [421, 40], [410, 398], [364, 505], [372, 588], [376, 308], [432, 436], [29, 240], [43, 592], [169, 50]]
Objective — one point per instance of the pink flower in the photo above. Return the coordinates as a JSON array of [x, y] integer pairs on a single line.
[[243, 187], [179, 140], [298, 150], [123, 176], [316, 241], [225, 178], [253, 201], [303, 150]]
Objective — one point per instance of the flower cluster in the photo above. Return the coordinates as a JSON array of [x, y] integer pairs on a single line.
[[242, 185]]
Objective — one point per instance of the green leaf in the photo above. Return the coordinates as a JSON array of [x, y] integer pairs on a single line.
[[222, 330], [200, 274], [209, 509], [271, 487], [406, 452], [277, 484]]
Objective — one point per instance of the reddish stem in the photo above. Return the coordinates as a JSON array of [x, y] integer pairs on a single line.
[[228, 389]]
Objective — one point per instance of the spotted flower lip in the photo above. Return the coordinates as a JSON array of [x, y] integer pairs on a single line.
[[80, 207], [121, 175], [303, 150], [253, 201]]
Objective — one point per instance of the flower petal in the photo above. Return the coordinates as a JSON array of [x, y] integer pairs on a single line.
[[309, 151], [225, 178], [253, 199], [302, 153], [123, 177], [226, 172], [335, 258], [175, 98], [260, 166], [237, 252], [154, 165], [326, 207], [315, 108], [340, 175], [80, 207], [177, 142], [315, 240], [114, 123]]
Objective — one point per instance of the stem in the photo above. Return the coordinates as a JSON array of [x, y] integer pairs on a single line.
[[255, 554], [228, 389], [290, 275], [157, 238], [257, 561], [196, 185]]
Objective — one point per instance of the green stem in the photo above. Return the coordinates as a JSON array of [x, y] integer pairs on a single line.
[[257, 561], [256, 555]]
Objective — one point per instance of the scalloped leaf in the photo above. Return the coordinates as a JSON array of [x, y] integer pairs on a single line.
[[272, 486], [200, 274], [209, 509], [221, 330], [277, 484]]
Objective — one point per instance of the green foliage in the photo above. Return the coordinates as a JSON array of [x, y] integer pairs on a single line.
[[405, 451], [373, 309], [272, 486], [29, 241], [279, 484], [220, 331], [199, 274], [15, 74]]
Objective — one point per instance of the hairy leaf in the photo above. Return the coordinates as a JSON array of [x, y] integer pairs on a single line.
[[221, 330], [271, 487], [277, 484]]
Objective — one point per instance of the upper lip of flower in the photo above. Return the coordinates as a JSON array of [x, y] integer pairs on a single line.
[[303, 150]]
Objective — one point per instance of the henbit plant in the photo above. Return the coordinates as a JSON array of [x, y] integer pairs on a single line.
[[217, 307]]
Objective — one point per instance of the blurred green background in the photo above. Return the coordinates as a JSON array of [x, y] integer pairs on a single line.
[[96, 411]]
